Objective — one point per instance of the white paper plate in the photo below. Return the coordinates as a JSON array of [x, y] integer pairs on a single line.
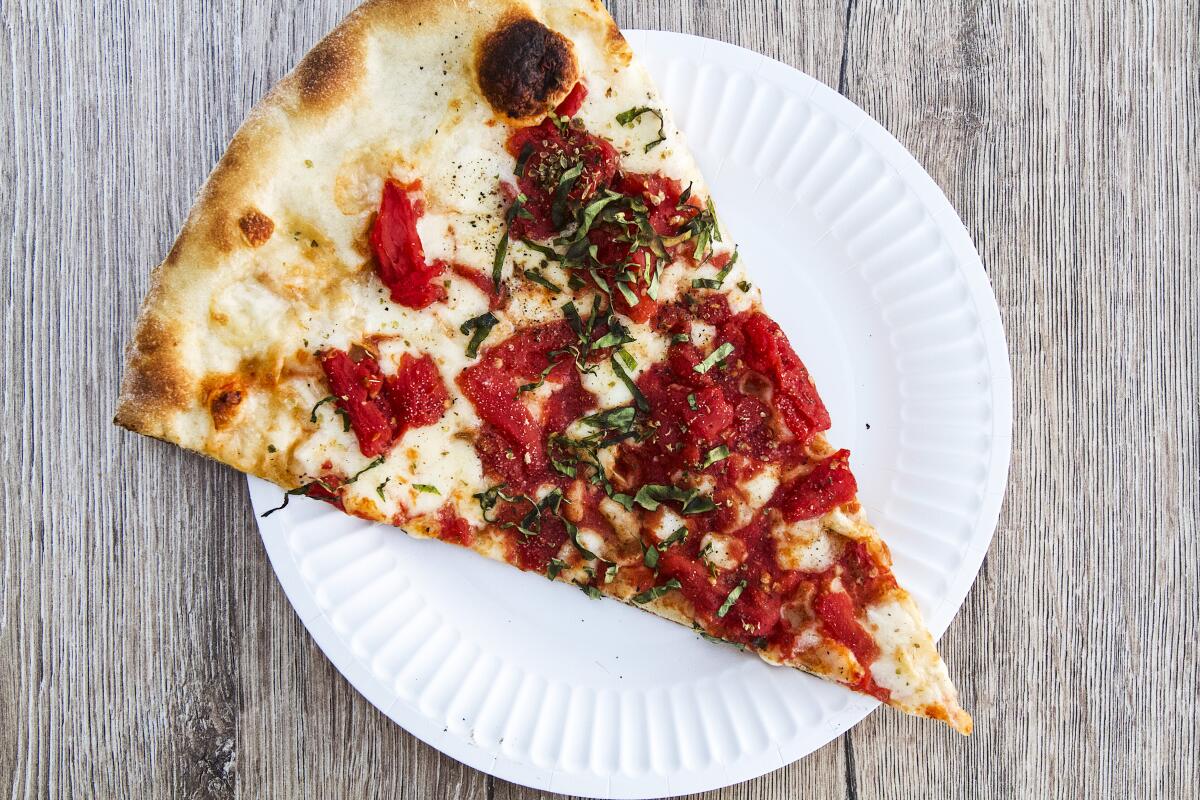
[[869, 270]]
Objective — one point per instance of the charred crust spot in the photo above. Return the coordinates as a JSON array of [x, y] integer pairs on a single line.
[[224, 396], [256, 226], [330, 70], [525, 68]]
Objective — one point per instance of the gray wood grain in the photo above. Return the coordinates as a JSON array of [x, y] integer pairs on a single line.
[[145, 647]]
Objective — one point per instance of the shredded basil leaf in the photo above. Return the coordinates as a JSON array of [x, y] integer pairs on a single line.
[[529, 387], [651, 496], [698, 504], [709, 637], [338, 410], [573, 319], [655, 592], [744, 285], [536, 277], [313, 416], [678, 535], [566, 182], [617, 335], [554, 568], [714, 358], [704, 553], [589, 213], [639, 399], [630, 296], [611, 573], [491, 497], [479, 328], [691, 398], [531, 523], [613, 419], [549, 253], [523, 158], [715, 283], [426, 488], [301, 490], [518, 205], [573, 533], [626, 118], [372, 465], [590, 591], [650, 557], [718, 453], [379, 488], [600, 282], [734, 594]]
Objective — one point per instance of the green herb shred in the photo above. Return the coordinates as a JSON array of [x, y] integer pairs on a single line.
[[573, 533], [627, 118], [313, 416], [650, 557], [734, 594], [540, 280], [517, 208], [655, 592], [714, 358], [478, 328], [715, 283], [678, 535], [718, 453], [639, 399]]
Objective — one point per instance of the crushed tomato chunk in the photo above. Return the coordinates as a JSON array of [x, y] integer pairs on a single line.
[[381, 407], [399, 256], [827, 486]]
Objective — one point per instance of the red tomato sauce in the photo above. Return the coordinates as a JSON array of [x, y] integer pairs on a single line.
[[453, 528]]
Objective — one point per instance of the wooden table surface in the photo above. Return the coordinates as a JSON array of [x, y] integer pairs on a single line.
[[145, 647]]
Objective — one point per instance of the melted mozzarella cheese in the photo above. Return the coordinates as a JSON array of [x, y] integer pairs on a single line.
[[908, 665], [804, 546], [648, 349], [722, 552], [702, 334], [668, 523], [594, 541], [624, 521], [761, 487]]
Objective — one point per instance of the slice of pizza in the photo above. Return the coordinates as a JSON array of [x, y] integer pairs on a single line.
[[459, 273]]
